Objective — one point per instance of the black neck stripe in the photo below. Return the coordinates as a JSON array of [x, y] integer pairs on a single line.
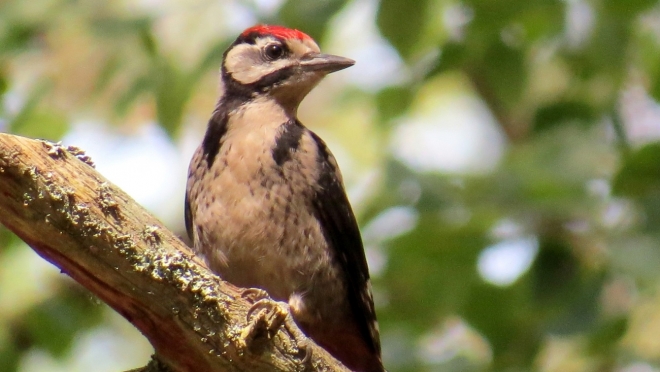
[[287, 142], [215, 132]]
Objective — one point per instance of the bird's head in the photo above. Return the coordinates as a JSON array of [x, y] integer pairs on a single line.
[[277, 61]]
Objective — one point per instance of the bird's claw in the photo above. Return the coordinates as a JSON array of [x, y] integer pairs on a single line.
[[266, 316], [253, 295], [302, 342]]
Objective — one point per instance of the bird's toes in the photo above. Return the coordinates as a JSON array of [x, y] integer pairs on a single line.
[[301, 341], [253, 295], [264, 318]]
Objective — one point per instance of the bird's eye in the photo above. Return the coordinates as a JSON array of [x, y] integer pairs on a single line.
[[274, 51]]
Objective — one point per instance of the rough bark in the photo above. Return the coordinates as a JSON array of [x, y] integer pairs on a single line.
[[70, 215]]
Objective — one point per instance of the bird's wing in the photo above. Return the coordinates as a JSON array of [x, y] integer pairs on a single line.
[[340, 228]]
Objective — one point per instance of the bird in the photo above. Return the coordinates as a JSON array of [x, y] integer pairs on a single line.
[[265, 203]]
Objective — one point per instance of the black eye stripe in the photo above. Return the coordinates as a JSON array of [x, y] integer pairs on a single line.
[[245, 92]]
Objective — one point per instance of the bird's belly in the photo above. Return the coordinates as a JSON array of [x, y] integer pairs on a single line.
[[264, 238]]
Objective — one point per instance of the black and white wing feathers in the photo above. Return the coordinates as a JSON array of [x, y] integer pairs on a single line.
[[333, 210]]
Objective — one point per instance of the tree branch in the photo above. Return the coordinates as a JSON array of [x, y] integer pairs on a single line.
[[77, 220]]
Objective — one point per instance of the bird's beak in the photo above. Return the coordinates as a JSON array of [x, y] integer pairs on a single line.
[[325, 62]]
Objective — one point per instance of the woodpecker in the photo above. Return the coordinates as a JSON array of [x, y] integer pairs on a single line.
[[265, 204]]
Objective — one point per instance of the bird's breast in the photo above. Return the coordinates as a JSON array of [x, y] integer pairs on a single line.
[[254, 219]]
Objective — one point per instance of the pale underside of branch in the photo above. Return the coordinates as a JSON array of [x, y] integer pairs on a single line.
[[74, 218]]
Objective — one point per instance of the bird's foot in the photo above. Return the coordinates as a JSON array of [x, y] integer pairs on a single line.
[[301, 341], [265, 318]]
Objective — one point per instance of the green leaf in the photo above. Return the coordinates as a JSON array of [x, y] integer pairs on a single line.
[[311, 17], [453, 55], [149, 43], [537, 16], [110, 67], [655, 88], [605, 337], [54, 324], [18, 36], [432, 269], [4, 83], [34, 121], [640, 174], [598, 62], [555, 272], [562, 112], [505, 71], [506, 317], [541, 19], [392, 102], [210, 61], [140, 85], [42, 123], [627, 9], [113, 26], [9, 240], [29, 106], [10, 356], [401, 22], [173, 89], [170, 96]]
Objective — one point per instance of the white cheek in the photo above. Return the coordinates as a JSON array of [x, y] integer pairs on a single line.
[[243, 63], [246, 65]]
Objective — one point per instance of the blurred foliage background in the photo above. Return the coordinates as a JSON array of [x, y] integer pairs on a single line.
[[503, 158]]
